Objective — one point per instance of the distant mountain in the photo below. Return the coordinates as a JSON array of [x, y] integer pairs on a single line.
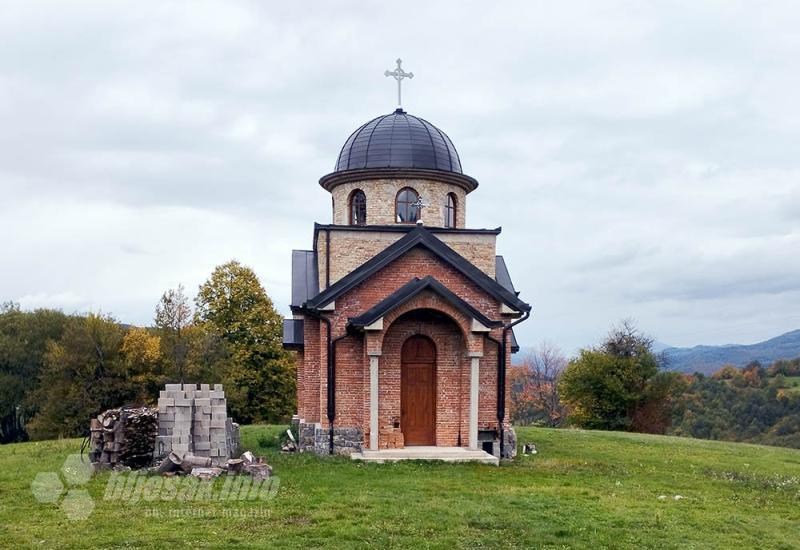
[[658, 347], [707, 359]]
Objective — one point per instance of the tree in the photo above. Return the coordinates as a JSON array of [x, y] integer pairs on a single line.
[[605, 386], [260, 375], [173, 317], [547, 365], [23, 342], [144, 362], [534, 387], [84, 373]]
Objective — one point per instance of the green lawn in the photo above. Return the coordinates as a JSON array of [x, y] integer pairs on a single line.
[[584, 489]]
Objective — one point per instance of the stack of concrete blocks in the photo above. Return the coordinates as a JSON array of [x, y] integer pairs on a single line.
[[175, 412], [210, 422], [194, 420], [232, 437]]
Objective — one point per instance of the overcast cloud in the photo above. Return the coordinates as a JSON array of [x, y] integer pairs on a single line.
[[643, 161]]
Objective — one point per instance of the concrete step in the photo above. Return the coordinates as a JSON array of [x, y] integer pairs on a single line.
[[444, 454]]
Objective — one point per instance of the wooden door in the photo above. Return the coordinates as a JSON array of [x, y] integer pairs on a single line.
[[418, 391]]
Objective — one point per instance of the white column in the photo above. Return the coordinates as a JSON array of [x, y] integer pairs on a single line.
[[474, 382], [373, 401]]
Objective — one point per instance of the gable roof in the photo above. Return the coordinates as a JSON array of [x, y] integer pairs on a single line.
[[504, 278], [419, 236], [305, 281], [412, 289], [501, 274]]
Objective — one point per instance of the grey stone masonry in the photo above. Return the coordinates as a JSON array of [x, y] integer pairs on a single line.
[[314, 438], [509, 443], [194, 419]]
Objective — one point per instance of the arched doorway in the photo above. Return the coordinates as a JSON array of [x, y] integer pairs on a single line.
[[418, 391]]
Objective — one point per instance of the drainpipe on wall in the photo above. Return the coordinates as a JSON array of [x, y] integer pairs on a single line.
[[331, 370], [332, 384], [501, 377]]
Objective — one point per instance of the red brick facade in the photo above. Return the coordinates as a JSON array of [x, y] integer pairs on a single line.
[[450, 331]]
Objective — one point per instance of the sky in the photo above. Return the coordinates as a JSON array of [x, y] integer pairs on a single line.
[[643, 159]]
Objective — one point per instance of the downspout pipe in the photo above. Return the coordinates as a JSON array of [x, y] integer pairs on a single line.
[[332, 384], [331, 370], [501, 376]]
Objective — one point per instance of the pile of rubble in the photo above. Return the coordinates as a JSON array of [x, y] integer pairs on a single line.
[[202, 467], [123, 437]]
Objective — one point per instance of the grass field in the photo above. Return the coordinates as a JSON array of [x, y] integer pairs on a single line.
[[584, 489]]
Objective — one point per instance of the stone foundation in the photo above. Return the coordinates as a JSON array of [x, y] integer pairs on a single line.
[[314, 438], [490, 438]]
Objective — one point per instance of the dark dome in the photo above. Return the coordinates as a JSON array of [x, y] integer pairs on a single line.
[[399, 140]]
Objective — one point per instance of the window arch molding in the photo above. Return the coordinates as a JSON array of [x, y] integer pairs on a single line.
[[405, 208], [450, 210], [357, 207]]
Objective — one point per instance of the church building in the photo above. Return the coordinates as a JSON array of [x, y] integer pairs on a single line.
[[402, 316]]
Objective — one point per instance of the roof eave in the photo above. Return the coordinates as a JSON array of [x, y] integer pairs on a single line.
[[334, 179]]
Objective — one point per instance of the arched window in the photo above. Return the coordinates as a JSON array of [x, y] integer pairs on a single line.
[[450, 210], [358, 208], [405, 207]]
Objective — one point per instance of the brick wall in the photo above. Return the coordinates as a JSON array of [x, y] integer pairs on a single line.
[[352, 364], [308, 370]]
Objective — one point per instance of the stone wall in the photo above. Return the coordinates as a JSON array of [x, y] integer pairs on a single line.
[[381, 194], [316, 439]]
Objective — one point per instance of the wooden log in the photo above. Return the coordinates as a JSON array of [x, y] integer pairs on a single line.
[[248, 457], [109, 419], [170, 464], [190, 461], [235, 465]]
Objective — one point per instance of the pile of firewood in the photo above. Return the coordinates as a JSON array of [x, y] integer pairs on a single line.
[[123, 437]]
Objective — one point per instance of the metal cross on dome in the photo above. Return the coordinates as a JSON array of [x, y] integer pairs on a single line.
[[399, 74], [419, 203]]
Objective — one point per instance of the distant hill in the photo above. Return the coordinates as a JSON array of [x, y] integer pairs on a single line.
[[707, 359]]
